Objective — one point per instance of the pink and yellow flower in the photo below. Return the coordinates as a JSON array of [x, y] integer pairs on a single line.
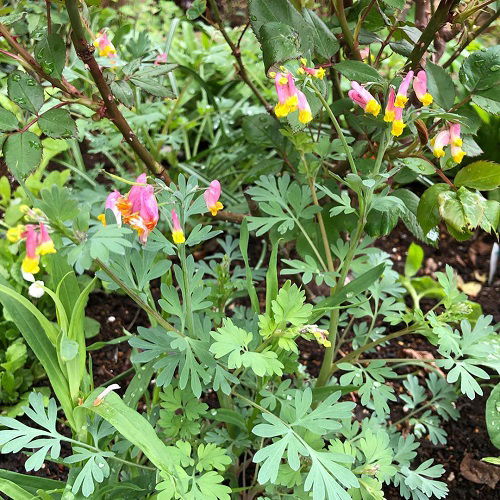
[[211, 196], [45, 245], [401, 97], [398, 125], [314, 72], [31, 262], [456, 143], [363, 98], [177, 232], [305, 115], [439, 142], [104, 46], [420, 88], [287, 95], [390, 109], [138, 208]]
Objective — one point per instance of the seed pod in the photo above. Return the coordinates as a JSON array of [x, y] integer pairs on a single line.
[[422, 131]]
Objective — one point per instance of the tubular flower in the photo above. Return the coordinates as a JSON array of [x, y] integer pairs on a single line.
[[212, 195], [456, 142], [141, 208], [111, 204], [45, 245], [401, 97], [305, 115], [104, 46], [361, 96], [161, 58], [287, 95], [32, 259], [390, 110], [397, 124], [420, 88], [14, 233], [177, 232], [439, 143], [314, 72]]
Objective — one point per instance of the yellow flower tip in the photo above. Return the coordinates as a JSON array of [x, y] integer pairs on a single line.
[[283, 69], [433, 140], [272, 74], [426, 99], [438, 153], [14, 233], [320, 73], [178, 237], [397, 128], [30, 265], [389, 116], [281, 110], [102, 219], [305, 116], [292, 103], [303, 61], [300, 71], [400, 101], [459, 156], [283, 80], [215, 208], [457, 142], [24, 209], [46, 248], [372, 107]]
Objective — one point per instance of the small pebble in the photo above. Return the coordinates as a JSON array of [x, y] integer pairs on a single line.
[[111, 319]]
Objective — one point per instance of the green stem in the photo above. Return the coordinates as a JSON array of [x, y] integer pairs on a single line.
[[186, 293], [352, 356], [336, 124], [338, 5], [414, 412]]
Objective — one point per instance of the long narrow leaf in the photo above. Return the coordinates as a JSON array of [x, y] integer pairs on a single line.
[[244, 238]]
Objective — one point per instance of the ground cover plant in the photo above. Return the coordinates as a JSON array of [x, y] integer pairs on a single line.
[[238, 172]]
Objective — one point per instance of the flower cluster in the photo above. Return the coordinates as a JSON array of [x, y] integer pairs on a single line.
[[38, 242], [104, 46], [452, 137], [290, 98], [138, 208], [396, 102]]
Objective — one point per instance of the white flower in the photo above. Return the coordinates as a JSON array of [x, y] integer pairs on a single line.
[[36, 289], [28, 277]]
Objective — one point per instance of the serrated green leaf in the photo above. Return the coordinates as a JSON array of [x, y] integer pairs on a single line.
[[22, 153], [359, 72], [198, 7], [50, 52], [480, 70], [8, 121], [440, 85], [482, 175], [493, 416], [428, 207], [25, 91], [57, 123]]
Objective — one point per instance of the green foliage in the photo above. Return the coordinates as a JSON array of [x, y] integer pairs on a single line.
[[493, 415]]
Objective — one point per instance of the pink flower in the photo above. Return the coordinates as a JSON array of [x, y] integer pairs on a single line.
[[401, 97], [104, 46], [177, 232], [305, 115], [287, 95], [111, 202], [361, 96], [45, 245], [314, 72], [212, 195], [439, 142], [397, 124], [420, 88], [161, 58], [390, 110], [32, 259], [456, 142]]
